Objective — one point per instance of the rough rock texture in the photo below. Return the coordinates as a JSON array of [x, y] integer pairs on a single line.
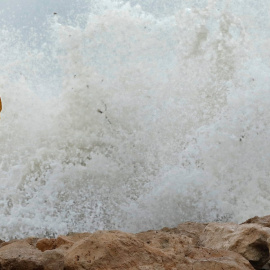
[[250, 240], [123, 251], [264, 221], [24, 255], [190, 246], [61, 242]]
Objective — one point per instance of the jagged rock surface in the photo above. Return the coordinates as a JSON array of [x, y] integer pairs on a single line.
[[190, 246], [264, 221], [24, 255], [252, 241]]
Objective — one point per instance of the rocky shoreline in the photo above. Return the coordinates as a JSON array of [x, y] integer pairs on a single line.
[[190, 246]]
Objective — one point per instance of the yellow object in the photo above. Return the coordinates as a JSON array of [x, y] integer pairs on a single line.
[[0, 105]]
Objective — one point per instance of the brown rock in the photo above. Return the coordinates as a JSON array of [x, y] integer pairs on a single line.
[[23, 255], [30, 240], [186, 234], [264, 221], [53, 260], [167, 249], [46, 244], [165, 241], [50, 244], [63, 242], [74, 237], [210, 259], [114, 250], [191, 229], [123, 251], [250, 240]]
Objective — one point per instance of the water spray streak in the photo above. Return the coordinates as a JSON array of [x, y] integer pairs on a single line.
[[134, 121]]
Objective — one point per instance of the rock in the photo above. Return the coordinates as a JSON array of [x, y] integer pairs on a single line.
[[53, 260], [186, 234], [63, 242], [266, 267], [114, 250], [23, 255], [250, 240], [123, 251], [50, 244], [190, 246], [264, 221], [210, 259], [165, 241], [46, 244], [192, 230]]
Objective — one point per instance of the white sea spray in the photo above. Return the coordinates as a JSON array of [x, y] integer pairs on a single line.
[[132, 120]]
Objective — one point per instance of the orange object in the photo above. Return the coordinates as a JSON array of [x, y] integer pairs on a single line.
[[0, 105]]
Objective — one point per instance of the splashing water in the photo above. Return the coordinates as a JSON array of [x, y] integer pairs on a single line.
[[131, 119]]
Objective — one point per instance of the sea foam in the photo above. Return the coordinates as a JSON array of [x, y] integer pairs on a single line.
[[131, 119]]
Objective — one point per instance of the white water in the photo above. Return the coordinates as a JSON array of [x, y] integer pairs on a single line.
[[135, 117]]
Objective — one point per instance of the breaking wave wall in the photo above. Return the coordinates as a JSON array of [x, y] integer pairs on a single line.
[[130, 119]]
